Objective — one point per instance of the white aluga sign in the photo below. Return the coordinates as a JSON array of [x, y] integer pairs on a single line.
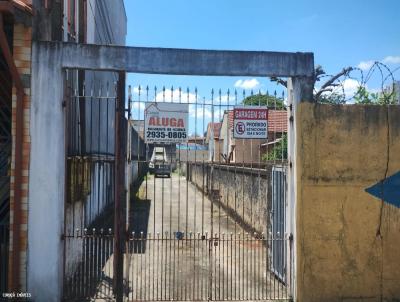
[[250, 122], [166, 123]]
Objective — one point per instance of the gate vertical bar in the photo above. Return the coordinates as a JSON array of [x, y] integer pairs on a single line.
[[119, 224], [66, 131]]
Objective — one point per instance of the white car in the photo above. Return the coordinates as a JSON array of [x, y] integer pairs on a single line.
[[159, 163]]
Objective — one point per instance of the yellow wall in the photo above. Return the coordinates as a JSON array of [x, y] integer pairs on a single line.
[[342, 150]]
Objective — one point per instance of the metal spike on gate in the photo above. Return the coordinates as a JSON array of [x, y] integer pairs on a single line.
[[163, 93]]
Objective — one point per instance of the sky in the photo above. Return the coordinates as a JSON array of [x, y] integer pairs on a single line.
[[339, 33]]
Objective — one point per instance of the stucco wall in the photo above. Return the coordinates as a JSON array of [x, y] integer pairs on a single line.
[[245, 192], [342, 150]]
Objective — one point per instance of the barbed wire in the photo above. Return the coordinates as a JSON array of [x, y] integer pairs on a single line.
[[343, 91]]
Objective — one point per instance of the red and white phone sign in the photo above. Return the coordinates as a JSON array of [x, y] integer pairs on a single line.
[[250, 122]]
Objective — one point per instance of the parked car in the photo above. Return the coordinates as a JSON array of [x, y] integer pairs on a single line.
[[160, 164]]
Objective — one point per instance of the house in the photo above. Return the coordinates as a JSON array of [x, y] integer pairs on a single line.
[[249, 150], [138, 125], [193, 151], [196, 139], [212, 141]]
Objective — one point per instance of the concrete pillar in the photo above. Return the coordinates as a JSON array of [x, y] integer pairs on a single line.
[[46, 178], [300, 89]]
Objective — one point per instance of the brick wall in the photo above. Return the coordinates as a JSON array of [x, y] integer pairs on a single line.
[[22, 58]]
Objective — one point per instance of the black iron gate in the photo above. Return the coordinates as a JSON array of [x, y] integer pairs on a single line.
[[202, 230], [94, 182]]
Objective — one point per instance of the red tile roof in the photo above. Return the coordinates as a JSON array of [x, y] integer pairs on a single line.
[[277, 121]]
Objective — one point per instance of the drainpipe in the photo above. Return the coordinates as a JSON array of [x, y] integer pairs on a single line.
[[18, 153]]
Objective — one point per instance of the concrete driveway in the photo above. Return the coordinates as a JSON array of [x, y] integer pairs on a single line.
[[176, 258]]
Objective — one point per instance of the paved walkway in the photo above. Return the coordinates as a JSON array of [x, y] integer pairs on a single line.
[[175, 258]]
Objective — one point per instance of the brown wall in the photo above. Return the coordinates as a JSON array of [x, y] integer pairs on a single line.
[[247, 150], [348, 242]]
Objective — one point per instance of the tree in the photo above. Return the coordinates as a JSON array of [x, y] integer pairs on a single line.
[[329, 86], [270, 101], [278, 152]]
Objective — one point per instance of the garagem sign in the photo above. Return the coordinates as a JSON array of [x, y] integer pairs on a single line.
[[250, 122], [166, 123]]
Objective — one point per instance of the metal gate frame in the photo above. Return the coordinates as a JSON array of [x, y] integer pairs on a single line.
[[83, 167], [299, 67], [278, 223]]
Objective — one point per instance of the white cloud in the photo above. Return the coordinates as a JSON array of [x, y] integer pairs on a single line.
[[365, 65], [247, 84], [348, 86], [391, 60], [136, 89], [176, 96], [138, 105], [225, 99], [201, 112]]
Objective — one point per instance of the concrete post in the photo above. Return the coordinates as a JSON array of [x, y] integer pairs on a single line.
[[300, 89], [46, 178]]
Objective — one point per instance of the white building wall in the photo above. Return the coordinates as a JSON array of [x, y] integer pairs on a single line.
[[47, 165]]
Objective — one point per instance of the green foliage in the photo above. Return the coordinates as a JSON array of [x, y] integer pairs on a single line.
[[363, 96], [264, 100], [333, 99], [278, 152]]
